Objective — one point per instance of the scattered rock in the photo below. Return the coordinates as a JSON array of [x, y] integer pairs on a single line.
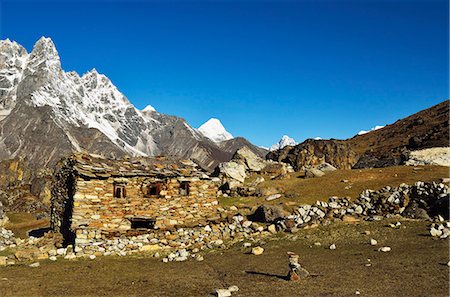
[[223, 293], [384, 249], [373, 242], [36, 264], [332, 247], [272, 229], [273, 197], [233, 289], [257, 250]]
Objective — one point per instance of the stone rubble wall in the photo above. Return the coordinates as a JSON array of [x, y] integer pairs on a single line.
[[97, 213]]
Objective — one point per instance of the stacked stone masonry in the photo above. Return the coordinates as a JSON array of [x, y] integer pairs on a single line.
[[90, 208]]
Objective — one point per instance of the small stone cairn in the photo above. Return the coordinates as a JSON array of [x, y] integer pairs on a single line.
[[296, 272]]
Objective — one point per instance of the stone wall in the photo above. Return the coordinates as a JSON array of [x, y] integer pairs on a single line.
[[97, 214]]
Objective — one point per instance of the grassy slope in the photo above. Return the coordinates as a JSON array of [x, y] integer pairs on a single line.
[[300, 190]]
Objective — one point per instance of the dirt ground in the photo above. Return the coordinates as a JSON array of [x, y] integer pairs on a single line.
[[416, 266]]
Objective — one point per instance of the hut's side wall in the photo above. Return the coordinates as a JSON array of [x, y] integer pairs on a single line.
[[96, 211], [63, 189]]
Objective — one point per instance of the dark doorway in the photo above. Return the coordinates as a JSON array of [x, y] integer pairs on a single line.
[[142, 223]]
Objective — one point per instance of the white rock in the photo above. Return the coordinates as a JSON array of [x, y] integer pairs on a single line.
[[257, 250], [384, 249], [223, 293], [52, 258], [61, 251], [373, 242], [92, 257], [273, 197], [233, 289], [36, 264], [332, 247], [435, 232]]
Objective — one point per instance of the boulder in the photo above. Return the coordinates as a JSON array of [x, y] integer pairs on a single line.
[[251, 161], [232, 170], [267, 214], [414, 211], [326, 167], [431, 156], [313, 172]]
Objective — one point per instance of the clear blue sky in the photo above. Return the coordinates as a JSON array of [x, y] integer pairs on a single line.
[[302, 68]]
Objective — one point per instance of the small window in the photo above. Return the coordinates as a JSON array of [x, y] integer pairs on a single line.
[[154, 189], [119, 191], [184, 188]]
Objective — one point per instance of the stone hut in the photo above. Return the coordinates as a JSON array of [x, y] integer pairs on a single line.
[[94, 198]]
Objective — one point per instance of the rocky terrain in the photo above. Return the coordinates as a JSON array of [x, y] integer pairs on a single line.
[[47, 113], [387, 146]]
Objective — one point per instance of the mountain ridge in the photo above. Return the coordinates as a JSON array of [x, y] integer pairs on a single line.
[[43, 108], [382, 147]]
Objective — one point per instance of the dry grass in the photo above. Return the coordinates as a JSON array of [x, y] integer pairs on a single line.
[[416, 266], [299, 190], [21, 223]]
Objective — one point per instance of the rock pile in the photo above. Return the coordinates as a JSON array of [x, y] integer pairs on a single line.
[[7, 239], [431, 198]]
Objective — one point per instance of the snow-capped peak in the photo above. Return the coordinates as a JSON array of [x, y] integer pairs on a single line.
[[149, 108], [214, 130], [284, 141], [373, 129]]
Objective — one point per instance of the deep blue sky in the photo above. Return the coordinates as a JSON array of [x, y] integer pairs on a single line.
[[302, 68]]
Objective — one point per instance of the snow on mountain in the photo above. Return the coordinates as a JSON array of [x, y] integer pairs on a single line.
[[12, 63], [373, 129], [214, 130], [317, 138], [42, 106], [284, 141], [149, 108]]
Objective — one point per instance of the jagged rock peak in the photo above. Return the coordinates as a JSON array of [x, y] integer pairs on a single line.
[[44, 53]]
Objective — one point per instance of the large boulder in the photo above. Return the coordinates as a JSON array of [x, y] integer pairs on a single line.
[[414, 211], [232, 170], [326, 167], [313, 172], [251, 161], [267, 214], [431, 156]]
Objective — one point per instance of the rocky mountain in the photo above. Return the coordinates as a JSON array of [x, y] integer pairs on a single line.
[[284, 141], [214, 130], [386, 146], [236, 143], [47, 113]]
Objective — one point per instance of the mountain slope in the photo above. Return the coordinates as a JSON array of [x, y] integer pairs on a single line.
[[382, 147], [46, 113]]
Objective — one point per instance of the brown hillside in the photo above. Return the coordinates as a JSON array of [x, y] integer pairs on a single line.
[[384, 147]]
